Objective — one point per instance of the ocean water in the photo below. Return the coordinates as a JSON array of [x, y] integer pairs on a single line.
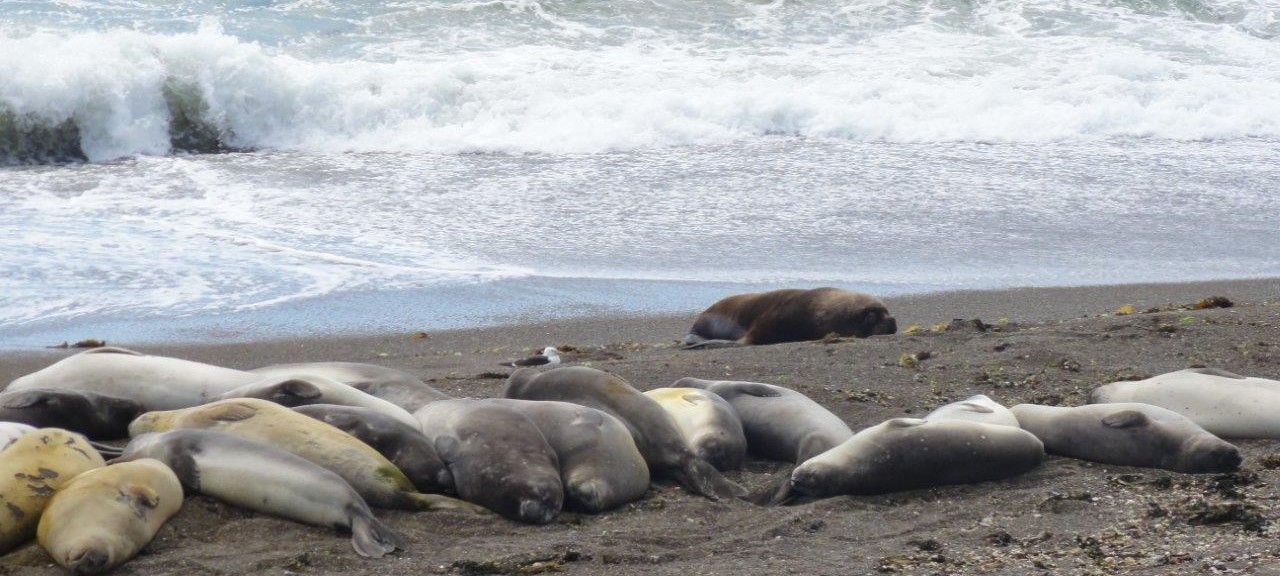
[[197, 170]]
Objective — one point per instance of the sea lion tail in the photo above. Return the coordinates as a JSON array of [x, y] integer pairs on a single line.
[[420, 501], [106, 450], [373, 539], [701, 478]]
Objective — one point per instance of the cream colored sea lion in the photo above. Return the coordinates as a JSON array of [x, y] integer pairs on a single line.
[[1128, 434], [977, 408], [103, 517], [790, 316], [263, 478], [156, 382], [498, 457], [779, 423], [310, 389], [654, 431], [374, 477], [1225, 404], [600, 466], [707, 422], [31, 469], [394, 386], [910, 453]]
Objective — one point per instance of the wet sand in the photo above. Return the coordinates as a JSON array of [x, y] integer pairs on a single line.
[[1047, 346]]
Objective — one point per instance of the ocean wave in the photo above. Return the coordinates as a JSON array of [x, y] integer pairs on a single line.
[[121, 93]]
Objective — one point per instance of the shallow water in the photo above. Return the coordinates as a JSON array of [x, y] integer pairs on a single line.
[[432, 164]]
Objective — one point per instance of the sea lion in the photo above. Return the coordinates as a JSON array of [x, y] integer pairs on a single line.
[[155, 382], [1225, 404], [790, 316], [263, 478], [399, 388], [404, 446], [779, 423], [11, 431], [103, 517], [977, 408], [31, 469], [654, 431], [498, 457], [600, 466], [910, 453], [95, 415], [1128, 434], [293, 391], [708, 423], [374, 477]]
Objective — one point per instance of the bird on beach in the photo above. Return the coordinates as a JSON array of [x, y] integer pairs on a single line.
[[549, 357]]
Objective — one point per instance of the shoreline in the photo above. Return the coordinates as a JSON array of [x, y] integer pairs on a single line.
[[476, 310]]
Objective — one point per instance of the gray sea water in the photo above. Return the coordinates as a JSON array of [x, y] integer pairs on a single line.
[[196, 170]]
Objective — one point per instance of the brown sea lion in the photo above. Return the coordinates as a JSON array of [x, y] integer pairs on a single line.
[[789, 316]]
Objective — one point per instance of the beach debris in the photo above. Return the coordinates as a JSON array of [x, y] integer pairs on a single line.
[[1270, 461], [1185, 320], [1125, 310], [912, 361], [913, 329], [1212, 302], [939, 327], [90, 343], [1200, 511], [528, 563], [419, 335]]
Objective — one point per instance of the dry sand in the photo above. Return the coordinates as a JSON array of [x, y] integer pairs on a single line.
[[1042, 345]]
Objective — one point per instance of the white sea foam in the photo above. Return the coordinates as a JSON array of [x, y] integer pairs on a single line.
[[998, 72]]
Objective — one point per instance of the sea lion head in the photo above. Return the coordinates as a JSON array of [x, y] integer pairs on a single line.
[[1208, 453]]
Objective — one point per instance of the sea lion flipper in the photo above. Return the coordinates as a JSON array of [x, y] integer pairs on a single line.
[[778, 492], [106, 450], [301, 389], [711, 345], [1125, 419], [21, 399], [1216, 372], [231, 412], [421, 501], [701, 478], [976, 408], [110, 350], [143, 496], [371, 538]]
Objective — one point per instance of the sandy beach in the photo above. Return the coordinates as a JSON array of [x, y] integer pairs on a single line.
[[1042, 345]]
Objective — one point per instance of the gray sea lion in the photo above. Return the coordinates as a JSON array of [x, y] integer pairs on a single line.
[[375, 478], [498, 457], [654, 431], [790, 316], [708, 423], [1128, 434], [779, 423], [32, 468], [263, 478], [103, 517], [600, 466], [978, 408], [394, 386], [303, 390], [1225, 404], [94, 415], [910, 453], [155, 382], [404, 446]]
